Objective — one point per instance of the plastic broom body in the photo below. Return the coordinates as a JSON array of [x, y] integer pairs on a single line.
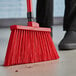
[[29, 44]]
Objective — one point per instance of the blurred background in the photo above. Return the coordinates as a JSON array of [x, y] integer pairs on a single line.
[[17, 9]]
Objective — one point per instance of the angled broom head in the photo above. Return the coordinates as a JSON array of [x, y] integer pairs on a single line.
[[29, 45]]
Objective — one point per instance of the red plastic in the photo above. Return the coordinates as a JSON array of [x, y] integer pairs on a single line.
[[26, 46], [33, 24], [29, 28], [29, 5]]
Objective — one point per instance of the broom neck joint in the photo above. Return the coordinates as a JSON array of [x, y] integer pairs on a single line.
[[30, 16]]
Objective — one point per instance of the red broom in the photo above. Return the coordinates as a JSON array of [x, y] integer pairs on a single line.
[[29, 44]]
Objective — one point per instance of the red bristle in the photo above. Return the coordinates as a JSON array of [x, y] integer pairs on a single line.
[[32, 55], [40, 43], [49, 46], [35, 48], [23, 48], [8, 49], [39, 47], [14, 54], [26, 48], [54, 52], [29, 47], [46, 47], [12, 48], [43, 46], [14, 60], [17, 47]]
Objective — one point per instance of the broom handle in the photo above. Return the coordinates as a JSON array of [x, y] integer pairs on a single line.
[[29, 10]]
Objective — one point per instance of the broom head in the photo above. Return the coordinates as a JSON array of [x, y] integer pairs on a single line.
[[29, 45]]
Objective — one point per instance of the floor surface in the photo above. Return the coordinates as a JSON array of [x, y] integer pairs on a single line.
[[65, 66]]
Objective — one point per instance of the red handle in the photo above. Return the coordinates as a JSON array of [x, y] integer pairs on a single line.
[[29, 5], [29, 15]]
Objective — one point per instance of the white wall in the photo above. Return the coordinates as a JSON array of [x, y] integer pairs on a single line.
[[59, 8], [17, 8]]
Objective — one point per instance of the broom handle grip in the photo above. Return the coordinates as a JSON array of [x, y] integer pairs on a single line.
[[29, 10]]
